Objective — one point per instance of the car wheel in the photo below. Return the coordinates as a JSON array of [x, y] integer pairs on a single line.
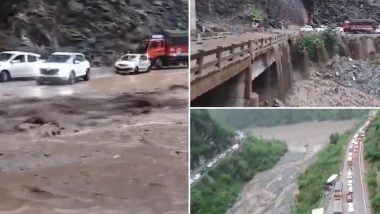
[[87, 76], [148, 69], [71, 79], [4, 76], [136, 70], [158, 64], [40, 82]]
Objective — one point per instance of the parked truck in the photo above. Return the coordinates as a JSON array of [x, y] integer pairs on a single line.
[[349, 160], [171, 47], [338, 187], [359, 26], [337, 207]]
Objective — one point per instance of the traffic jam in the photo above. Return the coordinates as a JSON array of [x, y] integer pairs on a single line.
[[160, 50], [366, 26], [238, 140], [347, 193]]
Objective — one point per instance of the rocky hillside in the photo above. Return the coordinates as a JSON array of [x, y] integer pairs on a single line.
[[337, 11], [240, 11], [101, 29], [287, 11]]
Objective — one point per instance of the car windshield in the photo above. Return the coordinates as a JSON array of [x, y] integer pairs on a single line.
[[129, 58], [5, 57], [58, 58]]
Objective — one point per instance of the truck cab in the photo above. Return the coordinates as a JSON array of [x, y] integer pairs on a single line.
[[168, 48]]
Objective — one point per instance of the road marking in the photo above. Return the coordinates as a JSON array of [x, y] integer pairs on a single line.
[[361, 174]]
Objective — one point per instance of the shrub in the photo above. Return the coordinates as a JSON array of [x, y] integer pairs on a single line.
[[330, 40], [311, 43]]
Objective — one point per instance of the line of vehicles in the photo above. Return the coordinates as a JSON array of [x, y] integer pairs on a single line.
[[353, 149], [160, 50], [238, 140], [366, 26]]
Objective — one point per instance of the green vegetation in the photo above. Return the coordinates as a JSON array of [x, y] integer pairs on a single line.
[[372, 156], [271, 117], [311, 182], [218, 191], [208, 137], [314, 43], [257, 15], [330, 40], [310, 43]]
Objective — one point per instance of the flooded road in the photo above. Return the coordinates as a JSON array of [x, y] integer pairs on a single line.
[[273, 191], [104, 146], [104, 80]]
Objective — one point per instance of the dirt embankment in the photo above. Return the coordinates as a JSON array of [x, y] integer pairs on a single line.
[[99, 155], [342, 82]]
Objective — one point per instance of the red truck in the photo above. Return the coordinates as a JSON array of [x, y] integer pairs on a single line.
[[359, 26], [169, 48]]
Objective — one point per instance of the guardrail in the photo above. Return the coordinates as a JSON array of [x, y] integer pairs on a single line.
[[248, 48]]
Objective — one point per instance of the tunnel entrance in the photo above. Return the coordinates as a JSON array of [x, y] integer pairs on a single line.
[[266, 84], [229, 93]]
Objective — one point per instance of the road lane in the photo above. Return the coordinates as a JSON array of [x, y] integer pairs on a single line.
[[359, 194], [103, 80], [204, 169]]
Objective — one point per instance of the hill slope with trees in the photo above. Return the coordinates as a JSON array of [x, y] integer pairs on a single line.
[[271, 117], [208, 137], [217, 192], [372, 156]]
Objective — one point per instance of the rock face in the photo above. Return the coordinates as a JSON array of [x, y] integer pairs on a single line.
[[337, 11], [300, 12], [274, 11], [101, 29]]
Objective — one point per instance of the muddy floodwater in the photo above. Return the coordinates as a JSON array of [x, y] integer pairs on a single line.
[[273, 191], [119, 144]]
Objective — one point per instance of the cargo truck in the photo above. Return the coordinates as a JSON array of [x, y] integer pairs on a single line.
[[171, 47]]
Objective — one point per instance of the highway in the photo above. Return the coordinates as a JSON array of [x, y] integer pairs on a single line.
[[198, 173], [103, 81], [360, 193], [360, 197]]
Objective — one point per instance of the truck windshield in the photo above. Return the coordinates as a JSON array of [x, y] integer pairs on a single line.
[[5, 57], [129, 58], [58, 58]]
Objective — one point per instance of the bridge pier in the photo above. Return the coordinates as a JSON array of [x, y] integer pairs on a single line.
[[243, 74], [236, 93]]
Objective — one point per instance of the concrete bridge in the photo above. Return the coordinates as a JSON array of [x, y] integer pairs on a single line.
[[237, 71]]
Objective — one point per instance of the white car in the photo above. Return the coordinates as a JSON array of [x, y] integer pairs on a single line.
[[133, 63], [321, 28], [349, 176], [349, 182], [350, 208], [16, 64], [209, 165], [197, 176], [64, 66], [350, 189], [306, 28], [339, 29]]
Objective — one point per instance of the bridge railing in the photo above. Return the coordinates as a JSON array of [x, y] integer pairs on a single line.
[[234, 52]]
